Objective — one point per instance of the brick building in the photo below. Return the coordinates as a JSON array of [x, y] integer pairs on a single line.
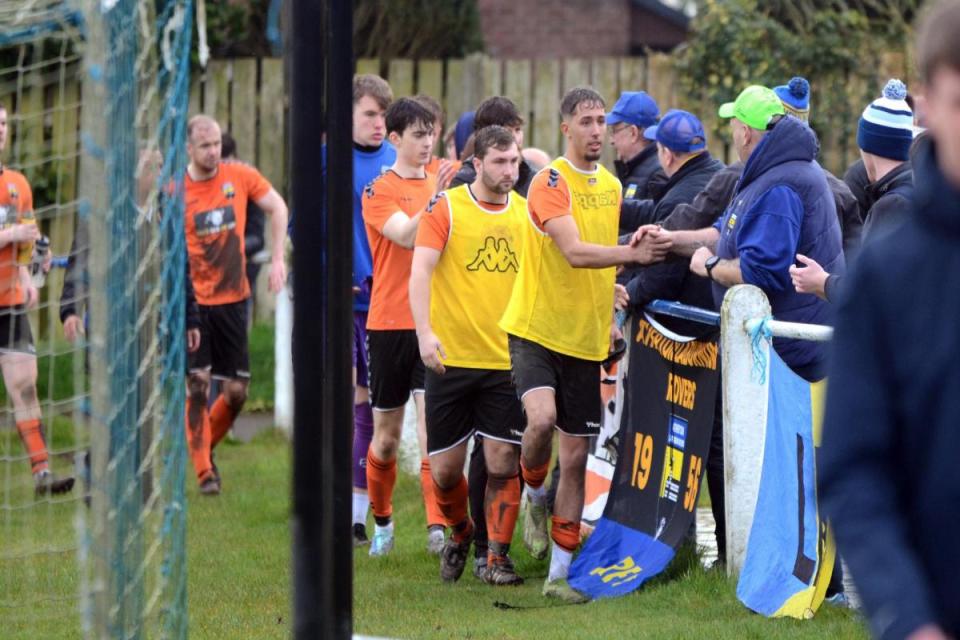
[[574, 28]]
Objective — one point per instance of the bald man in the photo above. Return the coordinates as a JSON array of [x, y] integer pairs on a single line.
[[216, 196]]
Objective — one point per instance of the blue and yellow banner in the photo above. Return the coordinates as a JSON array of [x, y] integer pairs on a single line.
[[667, 416], [790, 553]]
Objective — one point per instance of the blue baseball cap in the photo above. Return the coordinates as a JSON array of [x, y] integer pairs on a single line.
[[679, 131], [636, 108]]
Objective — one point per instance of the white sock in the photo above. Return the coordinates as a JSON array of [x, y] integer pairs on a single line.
[[538, 495], [389, 530], [361, 503], [559, 563]]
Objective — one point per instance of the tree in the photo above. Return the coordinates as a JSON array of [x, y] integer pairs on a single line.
[[838, 45], [416, 29]]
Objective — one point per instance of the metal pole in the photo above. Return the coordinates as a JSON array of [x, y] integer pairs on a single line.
[[685, 311], [320, 102], [795, 330]]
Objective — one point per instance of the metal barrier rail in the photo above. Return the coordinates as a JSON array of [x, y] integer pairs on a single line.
[[779, 328], [745, 397], [684, 311], [795, 330]]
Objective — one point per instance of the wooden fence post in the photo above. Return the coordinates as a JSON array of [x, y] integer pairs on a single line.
[[603, 72], [516, 86], [271, 156], [216, 91], [400, 77], [545, 127], [243, 113]]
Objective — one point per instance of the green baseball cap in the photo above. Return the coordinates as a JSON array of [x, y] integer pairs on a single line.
[[754, 107]]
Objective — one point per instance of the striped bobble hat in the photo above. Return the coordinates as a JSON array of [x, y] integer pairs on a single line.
[[795, 96], [886, 126]]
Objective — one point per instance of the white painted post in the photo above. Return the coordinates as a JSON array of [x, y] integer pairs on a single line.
[[283, 357], [744, 416], [409, 453], [795, 330]]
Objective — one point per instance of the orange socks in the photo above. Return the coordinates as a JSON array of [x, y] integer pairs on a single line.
[[222, 416], [565, 534], [435, 516], [198, 437], [453, 505], [502, 506], [534, 476], [32, 436], [381, 478]]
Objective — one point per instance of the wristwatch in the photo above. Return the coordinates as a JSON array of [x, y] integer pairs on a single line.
[[710, 264]]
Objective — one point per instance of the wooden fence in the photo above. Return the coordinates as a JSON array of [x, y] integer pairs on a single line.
[[247, 96]]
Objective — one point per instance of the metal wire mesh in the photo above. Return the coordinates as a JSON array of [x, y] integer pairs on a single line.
[[96, 98]]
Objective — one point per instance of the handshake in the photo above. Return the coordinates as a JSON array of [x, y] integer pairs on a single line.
[[650, 244]]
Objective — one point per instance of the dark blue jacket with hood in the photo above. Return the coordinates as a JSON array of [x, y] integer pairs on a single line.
[[889, 476], [783, 206]]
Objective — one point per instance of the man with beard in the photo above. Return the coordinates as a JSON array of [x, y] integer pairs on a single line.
[[216, 196], [464, 266], [560, 326]]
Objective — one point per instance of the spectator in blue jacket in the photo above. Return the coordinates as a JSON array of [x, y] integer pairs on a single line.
[[889, 477], [782, 206]]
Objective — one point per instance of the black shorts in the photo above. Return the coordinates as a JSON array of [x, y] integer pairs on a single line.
[[463, 401], [15, 335], [575, 383], [394, 367], [223, 341]]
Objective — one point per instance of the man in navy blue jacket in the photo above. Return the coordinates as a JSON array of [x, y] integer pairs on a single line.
[[889, 472], [782, 206]]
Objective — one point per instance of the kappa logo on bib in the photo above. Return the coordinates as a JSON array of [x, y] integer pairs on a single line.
[[215, 221], [596, 200], [495, 255]]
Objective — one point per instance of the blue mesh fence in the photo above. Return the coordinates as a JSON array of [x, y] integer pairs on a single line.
[[95, 93]]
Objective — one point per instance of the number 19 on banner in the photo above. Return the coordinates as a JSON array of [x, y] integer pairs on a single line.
[[642, 457]]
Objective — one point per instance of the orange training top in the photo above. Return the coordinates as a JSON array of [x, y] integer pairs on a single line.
[[385, 196], [16, 203], [216, 217]]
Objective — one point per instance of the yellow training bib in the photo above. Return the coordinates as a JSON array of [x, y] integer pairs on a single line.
[[568, 310], [473, 279]]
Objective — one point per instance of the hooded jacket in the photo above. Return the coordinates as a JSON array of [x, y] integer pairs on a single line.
[[848, 213], [891, 197], [889, 477], [783, 206]]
